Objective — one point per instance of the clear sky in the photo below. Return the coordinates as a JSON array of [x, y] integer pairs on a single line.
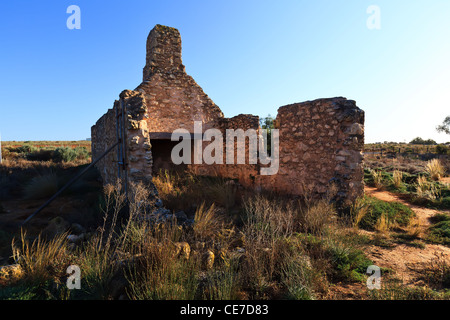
[[248, 56]]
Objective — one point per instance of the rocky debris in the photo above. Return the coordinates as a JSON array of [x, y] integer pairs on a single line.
[[11, 272], [76, 239], [239, 250], [182, 249], [181, 216], [163, 215], [55, 227], [77, 229], [208, 259], [158, 203]]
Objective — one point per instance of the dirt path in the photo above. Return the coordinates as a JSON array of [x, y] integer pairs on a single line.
[[407, 261]]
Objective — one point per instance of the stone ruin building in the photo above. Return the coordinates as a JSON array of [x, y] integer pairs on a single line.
[[320, 141]]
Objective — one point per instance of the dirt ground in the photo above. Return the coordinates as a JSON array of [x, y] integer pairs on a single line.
[[405, 260]]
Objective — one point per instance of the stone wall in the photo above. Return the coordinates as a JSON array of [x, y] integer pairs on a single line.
[[321, 143], [245, 173], [103, 136], [136, 141]]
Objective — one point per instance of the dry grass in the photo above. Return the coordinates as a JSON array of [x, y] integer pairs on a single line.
[[382, 224], [426, 189], [207, 223], [179, 192], [358, 211], [397, 178], [414, 228], [436, 272], [40, 256], [284, 248], [435, 169], [377, 179]]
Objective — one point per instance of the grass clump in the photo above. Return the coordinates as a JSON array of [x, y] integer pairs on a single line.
[[39, 256], [439, 232], [377, 178], [397, 179], [435, 169], [426, 189]]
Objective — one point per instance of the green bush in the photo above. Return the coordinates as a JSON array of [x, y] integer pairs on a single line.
[[67, 154], [348, 263], [395, 212], [440, 232], [25, 149], [442, 149]]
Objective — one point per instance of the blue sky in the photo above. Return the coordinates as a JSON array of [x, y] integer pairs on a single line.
[[248, 56]]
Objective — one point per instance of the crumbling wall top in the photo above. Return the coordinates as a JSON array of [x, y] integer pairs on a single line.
[[163, 51]]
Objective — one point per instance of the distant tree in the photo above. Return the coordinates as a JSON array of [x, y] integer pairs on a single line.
[[445, 126], [268, 123], [419, 140]]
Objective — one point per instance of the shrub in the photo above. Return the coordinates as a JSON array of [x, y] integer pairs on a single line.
[[297, 276], [24, 149], [67, 154], [184, 191], [41, 186], [442, 149], [41, 155], [440, 232], [394, 213], [348, 263]]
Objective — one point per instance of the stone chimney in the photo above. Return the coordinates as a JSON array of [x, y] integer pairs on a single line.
[[163, 51]]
